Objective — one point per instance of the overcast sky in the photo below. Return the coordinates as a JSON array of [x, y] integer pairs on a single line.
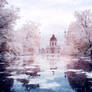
[[53, 15]]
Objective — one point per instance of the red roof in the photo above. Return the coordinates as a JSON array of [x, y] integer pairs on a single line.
[[53, 38]]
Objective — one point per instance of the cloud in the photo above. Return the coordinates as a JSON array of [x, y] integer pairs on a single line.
[[53, 15]]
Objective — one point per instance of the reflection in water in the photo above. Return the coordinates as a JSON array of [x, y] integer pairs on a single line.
[[5, 83], [23, 75], [78, 78], [27, 85], [80, 82], [77, 81]]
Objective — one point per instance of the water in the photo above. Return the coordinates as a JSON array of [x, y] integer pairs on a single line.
[[42, 74]]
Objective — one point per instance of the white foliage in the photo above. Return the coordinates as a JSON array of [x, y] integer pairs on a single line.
[[29, 38], [80, 31], [8, 17]]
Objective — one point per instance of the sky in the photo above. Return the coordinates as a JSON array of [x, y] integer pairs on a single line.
[[54, 16]]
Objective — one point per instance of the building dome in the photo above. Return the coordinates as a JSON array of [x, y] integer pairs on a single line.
[[53, 38]]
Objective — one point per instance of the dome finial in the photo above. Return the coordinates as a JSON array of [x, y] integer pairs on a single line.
[[53, 38]]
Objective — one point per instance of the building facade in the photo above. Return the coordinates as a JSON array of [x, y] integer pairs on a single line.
[[53, 48]]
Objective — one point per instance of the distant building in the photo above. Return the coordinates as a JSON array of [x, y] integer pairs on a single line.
[[52, 52], [53, 48], [42, 51]]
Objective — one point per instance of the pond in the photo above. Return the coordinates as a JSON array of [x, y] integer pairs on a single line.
[[23, 74]]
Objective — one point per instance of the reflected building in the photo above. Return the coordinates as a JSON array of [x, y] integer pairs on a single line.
[[52, 52]]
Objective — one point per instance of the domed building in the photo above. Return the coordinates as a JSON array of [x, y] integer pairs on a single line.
[[53, 48]]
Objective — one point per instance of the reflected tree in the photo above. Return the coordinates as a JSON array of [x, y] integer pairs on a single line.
[[5, 82], [79, 82]]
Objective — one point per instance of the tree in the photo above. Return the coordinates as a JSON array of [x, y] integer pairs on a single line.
[[80, 31], [30, 38], [8, 18], [84, 19]]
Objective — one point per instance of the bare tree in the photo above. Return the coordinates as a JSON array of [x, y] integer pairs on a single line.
[[8, 17], [29, 36], [84, 19], [80, 31]]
